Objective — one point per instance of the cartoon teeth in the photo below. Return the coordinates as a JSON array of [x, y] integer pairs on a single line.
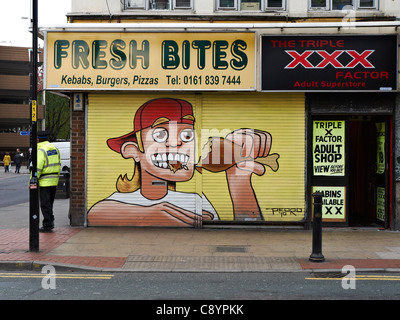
[[172, 160]]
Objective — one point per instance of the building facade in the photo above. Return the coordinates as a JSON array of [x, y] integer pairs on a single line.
[[14, 100], [191, 113]]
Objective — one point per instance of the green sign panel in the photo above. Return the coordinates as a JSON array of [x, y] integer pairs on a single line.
[[328, 148], [333, 203]]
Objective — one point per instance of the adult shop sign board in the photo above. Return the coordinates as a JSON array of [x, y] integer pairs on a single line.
[[329, 63]]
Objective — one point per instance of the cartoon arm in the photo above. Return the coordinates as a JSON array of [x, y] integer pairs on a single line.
[[162, 214], [254, 144]]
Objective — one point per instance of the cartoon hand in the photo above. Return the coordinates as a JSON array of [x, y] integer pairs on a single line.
[[254, 144], [179, 216]]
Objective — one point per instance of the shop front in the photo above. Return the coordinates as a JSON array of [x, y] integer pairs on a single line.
[[352, 159], [192, 127], [177, 132], [349, 83]]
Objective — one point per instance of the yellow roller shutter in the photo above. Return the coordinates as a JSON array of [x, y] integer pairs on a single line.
[[280, 195]]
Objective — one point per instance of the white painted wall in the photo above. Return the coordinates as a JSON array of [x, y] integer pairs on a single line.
[[297, 8], [391, 7], [204, 6], [96, 6]]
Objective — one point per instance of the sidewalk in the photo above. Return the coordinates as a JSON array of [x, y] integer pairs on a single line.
[[185, 250], [258, 249]]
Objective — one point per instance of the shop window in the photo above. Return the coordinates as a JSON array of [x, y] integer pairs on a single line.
[[158, 4], [183, 4], [250, 5], [342, 4], [318, 4], [368, 4], [226, 4], [135, 4], [275, 4]]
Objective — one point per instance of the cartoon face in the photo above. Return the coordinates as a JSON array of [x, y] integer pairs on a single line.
[[169, 151]]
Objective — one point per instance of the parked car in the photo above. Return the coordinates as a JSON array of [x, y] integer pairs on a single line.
[[65, 149], [63, 183]]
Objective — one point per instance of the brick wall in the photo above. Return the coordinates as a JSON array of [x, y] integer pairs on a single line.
[[77, 196]]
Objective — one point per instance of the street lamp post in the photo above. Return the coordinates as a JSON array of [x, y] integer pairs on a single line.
[[34, 183]]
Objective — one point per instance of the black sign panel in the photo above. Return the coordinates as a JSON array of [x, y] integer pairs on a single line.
[[329, 63]]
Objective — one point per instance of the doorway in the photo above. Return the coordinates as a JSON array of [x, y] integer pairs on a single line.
[[368, 177], [365, 180]]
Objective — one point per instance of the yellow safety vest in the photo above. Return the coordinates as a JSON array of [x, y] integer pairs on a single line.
[[48, 164]]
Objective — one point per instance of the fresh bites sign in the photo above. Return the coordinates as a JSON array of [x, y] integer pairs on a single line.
[[326, 63], [151, 61]]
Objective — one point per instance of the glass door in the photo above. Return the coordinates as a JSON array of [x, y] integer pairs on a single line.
[[368, 170]]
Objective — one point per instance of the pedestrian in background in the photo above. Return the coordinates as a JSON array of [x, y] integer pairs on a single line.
[[7, 161], [18, 161], [29, 158], [48, 174]]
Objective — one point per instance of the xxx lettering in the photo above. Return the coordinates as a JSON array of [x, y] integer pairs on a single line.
[[301, 59]]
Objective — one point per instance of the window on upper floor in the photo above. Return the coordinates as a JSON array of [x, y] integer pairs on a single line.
[[342, 4], [250, 5], [159, 4]]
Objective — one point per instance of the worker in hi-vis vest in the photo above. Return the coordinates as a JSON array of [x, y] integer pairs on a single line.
[[48, 174]]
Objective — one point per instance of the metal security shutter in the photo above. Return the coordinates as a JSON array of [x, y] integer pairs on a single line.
[[280, 194], [111, 115]]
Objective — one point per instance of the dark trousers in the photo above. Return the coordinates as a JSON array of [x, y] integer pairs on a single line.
[[47, 195]]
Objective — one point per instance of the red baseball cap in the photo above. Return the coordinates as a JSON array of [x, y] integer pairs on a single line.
[[176, 110]]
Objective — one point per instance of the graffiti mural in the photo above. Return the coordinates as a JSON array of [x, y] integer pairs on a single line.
[[163, 148]]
